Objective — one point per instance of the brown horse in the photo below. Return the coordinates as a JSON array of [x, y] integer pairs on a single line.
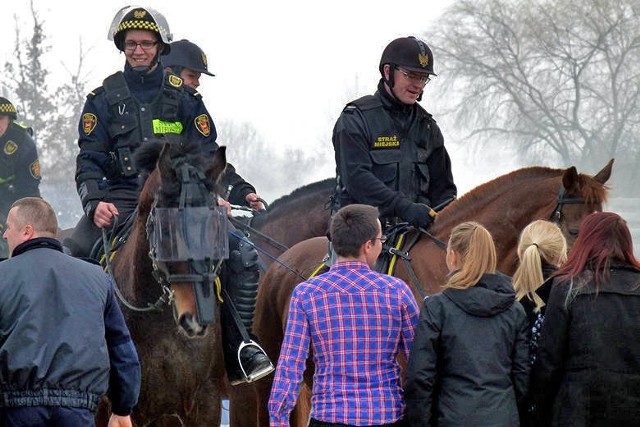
[[300, 215], [181, 375], [505, 206]]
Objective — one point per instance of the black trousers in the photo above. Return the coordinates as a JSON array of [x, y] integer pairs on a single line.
[[317, 423]]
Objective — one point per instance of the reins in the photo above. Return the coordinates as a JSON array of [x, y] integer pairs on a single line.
[[167, 295]]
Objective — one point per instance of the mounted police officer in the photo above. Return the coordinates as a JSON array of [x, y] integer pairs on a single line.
[[19, 165], [389, 151], [188, 61], [140, 104]]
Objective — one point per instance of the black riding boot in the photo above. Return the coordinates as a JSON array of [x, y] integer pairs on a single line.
[[245, 360]]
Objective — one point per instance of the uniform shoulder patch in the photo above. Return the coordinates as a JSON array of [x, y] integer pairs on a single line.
[[34, 169], [174, 80], [193, 92], [89, 122], [10, 147], [202, 124], [95, 92]]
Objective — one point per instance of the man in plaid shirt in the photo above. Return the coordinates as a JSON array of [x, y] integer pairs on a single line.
[[357, 322]]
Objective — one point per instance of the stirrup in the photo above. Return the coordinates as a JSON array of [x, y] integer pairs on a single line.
[[253, 376]]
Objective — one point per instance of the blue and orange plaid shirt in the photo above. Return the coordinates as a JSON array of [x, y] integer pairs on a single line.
[[357, 322]]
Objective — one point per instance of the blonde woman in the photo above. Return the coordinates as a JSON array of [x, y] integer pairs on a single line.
[[469, 361], [542, 248]]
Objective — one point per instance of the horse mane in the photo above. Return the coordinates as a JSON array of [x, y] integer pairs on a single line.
[[484, 193], [146, 160], [301, 191], [592, 191]]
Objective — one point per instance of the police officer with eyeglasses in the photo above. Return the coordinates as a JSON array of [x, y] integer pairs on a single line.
[[389, 150], [144, 103]]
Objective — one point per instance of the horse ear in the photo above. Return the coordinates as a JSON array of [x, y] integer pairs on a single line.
[[570, 178], [604, 175], [218, 165]]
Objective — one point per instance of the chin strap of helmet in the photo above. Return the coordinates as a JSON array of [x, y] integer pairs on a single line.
[[391, 82], [146, 69]]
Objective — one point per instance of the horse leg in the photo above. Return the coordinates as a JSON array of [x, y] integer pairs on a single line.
[[243, 405]]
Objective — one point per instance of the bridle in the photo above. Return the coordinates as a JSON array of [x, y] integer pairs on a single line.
[[193, 235], [557, 215]]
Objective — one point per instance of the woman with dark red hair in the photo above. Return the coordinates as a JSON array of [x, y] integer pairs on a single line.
[[587, 370]]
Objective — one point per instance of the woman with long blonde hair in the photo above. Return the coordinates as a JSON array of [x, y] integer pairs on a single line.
[[542, 248], [469, 361]]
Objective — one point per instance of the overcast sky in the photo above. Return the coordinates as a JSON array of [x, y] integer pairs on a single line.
[[286, 66]]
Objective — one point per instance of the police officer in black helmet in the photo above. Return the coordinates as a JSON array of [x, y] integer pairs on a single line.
[[19, 165], [389, 151], [189, 62], [122, 114]]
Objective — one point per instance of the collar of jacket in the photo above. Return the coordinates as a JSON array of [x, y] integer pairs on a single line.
[[38, 242], [139, 83]]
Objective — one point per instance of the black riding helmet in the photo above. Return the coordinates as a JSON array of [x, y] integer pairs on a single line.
[[140, 18], [185, 54], [8, 109], [407, 52]]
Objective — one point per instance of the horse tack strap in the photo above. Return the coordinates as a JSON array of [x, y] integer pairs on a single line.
[[404, 255], [556, 216]]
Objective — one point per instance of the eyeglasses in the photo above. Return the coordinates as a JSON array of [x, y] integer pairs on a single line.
[[382, 238], [418, 78], [145, 44]]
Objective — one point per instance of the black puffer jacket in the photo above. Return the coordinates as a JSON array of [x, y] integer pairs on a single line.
[[469, 361], [587, 370]]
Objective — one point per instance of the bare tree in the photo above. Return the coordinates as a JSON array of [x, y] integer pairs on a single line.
[[53, 114], [549, 76], [273, 172]]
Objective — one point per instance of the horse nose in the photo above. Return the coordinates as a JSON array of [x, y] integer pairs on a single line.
[[190, 326]]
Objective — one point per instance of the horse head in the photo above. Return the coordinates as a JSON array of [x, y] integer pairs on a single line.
[[582, 194], [185, 229]]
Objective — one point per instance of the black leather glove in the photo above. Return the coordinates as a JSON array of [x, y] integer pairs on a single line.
[[419, 215]]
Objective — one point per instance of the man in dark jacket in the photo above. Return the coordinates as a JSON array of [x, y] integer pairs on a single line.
[[389, 151], [63, 339], [19, 165]]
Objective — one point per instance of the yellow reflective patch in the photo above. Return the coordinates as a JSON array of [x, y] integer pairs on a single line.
[[160, 126], [10, 147], [387, 142]]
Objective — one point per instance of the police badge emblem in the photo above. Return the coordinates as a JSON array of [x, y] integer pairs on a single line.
[[10, 147], [202, 124], [175, 81], [89, 122], [34, 169]]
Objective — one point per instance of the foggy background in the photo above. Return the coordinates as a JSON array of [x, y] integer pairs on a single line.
[[519, 83]]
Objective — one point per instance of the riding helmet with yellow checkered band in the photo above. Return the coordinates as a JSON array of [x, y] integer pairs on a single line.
[[7, 109], [140, 18]]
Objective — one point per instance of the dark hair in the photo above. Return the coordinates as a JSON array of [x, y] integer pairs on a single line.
[[351, 227], [603, 237]]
